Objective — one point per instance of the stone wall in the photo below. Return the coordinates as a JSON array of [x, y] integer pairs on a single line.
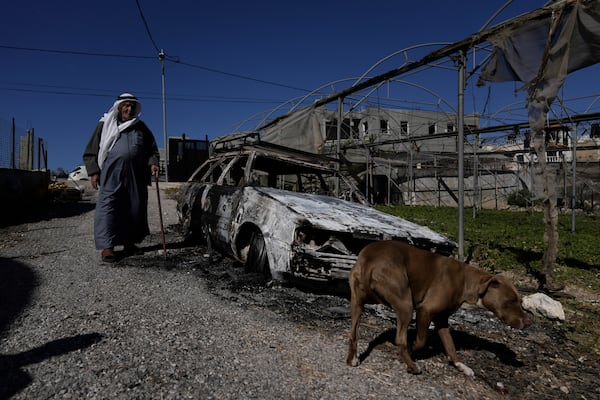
[[22, 194]]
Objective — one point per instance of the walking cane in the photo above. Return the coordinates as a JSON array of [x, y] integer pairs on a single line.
[[162, 229]]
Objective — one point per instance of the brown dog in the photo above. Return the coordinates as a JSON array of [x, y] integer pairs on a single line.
[[405, 277]]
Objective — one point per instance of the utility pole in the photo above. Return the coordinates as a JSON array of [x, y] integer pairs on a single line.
[[161, 57]]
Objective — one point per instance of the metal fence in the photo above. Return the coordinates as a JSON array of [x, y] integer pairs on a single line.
[[495, 176], [20, 149], [576, 186]]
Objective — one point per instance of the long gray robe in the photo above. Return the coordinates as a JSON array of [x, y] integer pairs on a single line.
[[122, 208]]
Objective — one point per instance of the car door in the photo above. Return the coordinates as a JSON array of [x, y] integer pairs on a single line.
[[220, 204]]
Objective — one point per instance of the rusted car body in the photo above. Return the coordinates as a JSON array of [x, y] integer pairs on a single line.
[[273, 209]]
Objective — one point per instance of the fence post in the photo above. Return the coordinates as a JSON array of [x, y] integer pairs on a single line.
[[39, 147], [13, 145]]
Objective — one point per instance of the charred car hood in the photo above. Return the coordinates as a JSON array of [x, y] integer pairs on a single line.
[[338, 215]]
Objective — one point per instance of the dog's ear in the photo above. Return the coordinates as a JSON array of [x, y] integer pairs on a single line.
[[485, 283]]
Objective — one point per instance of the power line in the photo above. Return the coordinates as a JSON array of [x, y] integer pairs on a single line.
[[172, 59], [66, 91], [146, 25], [74, 52], [177, 61]]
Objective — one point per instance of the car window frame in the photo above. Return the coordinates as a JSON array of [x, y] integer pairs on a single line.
[[226, 161]]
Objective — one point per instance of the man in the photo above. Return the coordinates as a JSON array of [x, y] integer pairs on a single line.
[[120, 158]]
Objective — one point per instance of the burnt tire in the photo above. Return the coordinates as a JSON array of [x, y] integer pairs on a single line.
[[257, 260]]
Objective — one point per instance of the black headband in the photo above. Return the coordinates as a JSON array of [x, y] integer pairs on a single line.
[[129, 97]]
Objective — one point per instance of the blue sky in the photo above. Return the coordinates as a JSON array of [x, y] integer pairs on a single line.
[[226, 61]]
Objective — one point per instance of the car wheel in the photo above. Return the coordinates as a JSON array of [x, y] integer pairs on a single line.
[[257, 260]]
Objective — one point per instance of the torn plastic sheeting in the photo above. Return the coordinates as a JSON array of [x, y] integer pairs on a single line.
[[574, 44]]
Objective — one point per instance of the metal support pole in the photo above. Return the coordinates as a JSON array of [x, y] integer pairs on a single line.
[[161, 57], [476, 203], [439, 189], [496, 190], [337, 144], [461, 153], [39, 154], [13, 146], [389, 184], [563, 165], [30, 149], [411, 177], [574, 178]]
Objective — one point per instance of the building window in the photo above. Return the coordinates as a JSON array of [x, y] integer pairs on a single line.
[[450, 127], [384, 126], [595, 131], [432, 128], [331, 129], [364, 127], [404, 128], [349, 128], [354, 126]]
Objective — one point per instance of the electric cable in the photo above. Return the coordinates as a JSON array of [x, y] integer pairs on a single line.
[[146, 25], [75, 52], [172, 59]]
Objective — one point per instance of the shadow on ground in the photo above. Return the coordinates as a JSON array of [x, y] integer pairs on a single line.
[[44, 212], [17, 285], [462, 341]]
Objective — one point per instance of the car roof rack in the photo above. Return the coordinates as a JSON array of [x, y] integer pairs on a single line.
[[242, 140], [234, 140]]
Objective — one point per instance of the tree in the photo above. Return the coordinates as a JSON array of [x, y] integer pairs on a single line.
[[541, 53]]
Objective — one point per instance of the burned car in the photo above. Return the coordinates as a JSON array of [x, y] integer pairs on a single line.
[[275, 210]]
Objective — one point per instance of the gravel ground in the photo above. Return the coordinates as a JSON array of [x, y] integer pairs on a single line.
[[188, 326]]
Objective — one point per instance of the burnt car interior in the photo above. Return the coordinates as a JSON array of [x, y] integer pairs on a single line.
[[269, 165]]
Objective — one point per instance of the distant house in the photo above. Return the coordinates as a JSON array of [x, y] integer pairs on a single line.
[[381, 131]]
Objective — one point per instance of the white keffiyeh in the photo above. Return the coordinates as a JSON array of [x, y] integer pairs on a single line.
[[112, 127]]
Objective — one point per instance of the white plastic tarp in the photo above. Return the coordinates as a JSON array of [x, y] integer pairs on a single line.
[[301, 130]]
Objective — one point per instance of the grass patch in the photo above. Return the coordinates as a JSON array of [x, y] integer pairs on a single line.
[[514, 240]]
